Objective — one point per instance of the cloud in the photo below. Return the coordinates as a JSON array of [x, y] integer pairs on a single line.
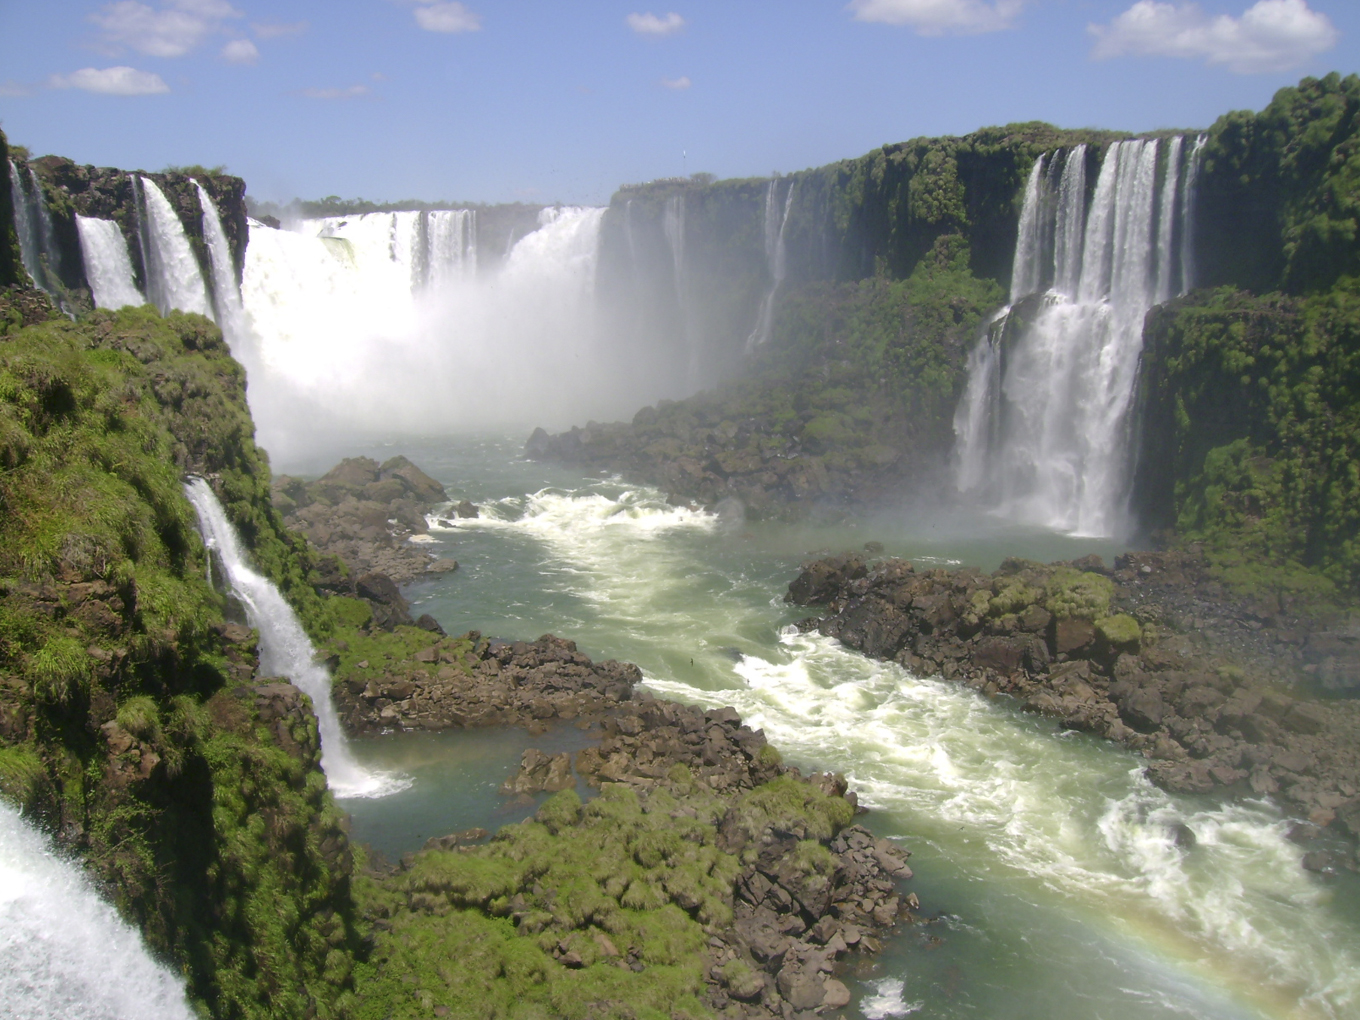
[[652, 24], [171, 31], [275, 30], [12, 89], [111, 81], [941, 17], [240, 51], [352, 92], [446, 16], [1271, 35], [679, 84]]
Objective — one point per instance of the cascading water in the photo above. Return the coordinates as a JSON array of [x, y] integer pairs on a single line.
[[776, 219], [108, 266], [28, 223], [285, 649], [1042, 426], [64, 952], [346, 336], [450, 246], [173, 277], [226, 294]]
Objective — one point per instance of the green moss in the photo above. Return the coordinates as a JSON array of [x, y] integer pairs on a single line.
[[1075, 593], [59, 670], [1120, 631], [141, 717]]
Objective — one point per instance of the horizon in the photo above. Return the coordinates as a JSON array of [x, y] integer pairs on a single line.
[[503, 101]]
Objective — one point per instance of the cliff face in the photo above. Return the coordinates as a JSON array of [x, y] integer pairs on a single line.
[[1248, 401], [70, 189], [132, 719]]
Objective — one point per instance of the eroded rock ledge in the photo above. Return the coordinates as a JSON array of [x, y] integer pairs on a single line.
[[1139, 655], [788, 891]]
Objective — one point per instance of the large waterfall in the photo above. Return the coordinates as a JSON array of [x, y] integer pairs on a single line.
[[173, 278], [776, 219], [64, 951], [285, 649], [1042, 429], [108, 266], [383, 323]]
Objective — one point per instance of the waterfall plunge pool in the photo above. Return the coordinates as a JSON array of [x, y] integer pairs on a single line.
[[1049, 862]]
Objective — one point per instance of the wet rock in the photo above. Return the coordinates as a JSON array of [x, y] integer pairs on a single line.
[[466, 509]]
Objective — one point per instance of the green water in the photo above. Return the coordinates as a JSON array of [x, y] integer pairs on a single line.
[[1047, 860]]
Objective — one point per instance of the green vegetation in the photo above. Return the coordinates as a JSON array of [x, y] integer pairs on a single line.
[[602, 909], [196, 170], [126, 717], [1254, 405]]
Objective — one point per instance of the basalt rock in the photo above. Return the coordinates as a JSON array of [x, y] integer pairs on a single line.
[[1152, 655]]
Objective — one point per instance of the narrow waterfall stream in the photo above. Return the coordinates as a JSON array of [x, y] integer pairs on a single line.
[[285, 649], [776, 219], [1043, 426], [64, 951]]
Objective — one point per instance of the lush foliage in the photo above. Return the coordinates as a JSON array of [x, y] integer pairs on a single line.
[[126, 718], [1252, 407], [1279, 195]]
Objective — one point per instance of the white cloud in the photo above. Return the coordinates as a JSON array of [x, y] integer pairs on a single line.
[[275, 30], [353, 92], [678, 84], [240, 51], [171, 31], [12, 89], [652, 24], [111, 81], [941, 17], [1271, 35], [446, 16]]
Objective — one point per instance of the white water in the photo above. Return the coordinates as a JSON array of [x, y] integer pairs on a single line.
[[173, 278], [28, 226], [348, 332], [108, 266], [226, 294], [285, 649], [1042, 429], [776, 219], [1057, 854], [64, 951]]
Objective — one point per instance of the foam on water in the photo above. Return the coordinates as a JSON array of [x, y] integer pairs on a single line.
[[64, 951], [1071, 815], [888, 1001]]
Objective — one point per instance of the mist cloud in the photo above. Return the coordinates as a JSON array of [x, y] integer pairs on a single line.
[[652, 24], [111, 81]]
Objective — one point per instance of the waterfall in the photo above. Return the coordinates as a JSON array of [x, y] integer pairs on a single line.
[[345, 336], [1041, 430], [173, 277], [108, 266], [64, 951], [30, 216], [450, 247], [775, 222], [285, 649], [226, 294]]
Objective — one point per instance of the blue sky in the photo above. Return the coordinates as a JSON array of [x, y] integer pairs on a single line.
[[498, 100]]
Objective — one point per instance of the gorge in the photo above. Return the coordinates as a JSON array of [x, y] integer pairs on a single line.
[[1024, 344]]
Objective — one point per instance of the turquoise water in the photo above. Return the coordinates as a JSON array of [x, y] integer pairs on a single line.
[[1048, 861]]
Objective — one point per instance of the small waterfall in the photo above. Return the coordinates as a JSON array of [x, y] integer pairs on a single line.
[[226, 294], [1188, 214], [285, 649], [775, 222], [33, 224], [173, 277], [64, 951], [108, 266], [1041, 430]]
